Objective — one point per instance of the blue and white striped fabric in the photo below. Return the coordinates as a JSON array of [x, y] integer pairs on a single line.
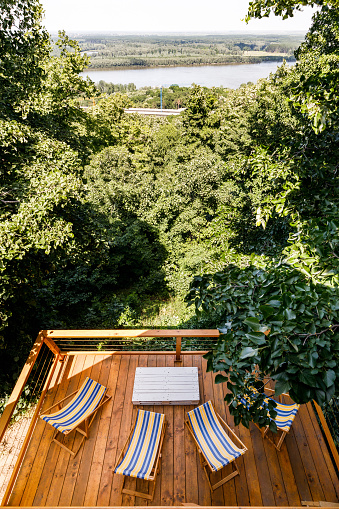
[[141, 453], [285, 415], [80, 407], [285, 412], [216, 445]]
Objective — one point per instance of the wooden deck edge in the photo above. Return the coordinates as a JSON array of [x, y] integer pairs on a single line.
[[328, 435], [175, 507], [131, 352]]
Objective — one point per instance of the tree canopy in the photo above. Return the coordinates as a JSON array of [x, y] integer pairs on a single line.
[[284, 8]]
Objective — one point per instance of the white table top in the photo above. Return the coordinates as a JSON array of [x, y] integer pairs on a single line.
[[166, 386]]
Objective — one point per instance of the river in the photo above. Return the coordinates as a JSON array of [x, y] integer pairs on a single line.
[[228, 76]]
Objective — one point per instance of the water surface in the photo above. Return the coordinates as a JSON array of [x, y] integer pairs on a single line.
[[228, 76]]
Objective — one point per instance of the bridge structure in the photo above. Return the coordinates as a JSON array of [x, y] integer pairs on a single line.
[[155, 111]]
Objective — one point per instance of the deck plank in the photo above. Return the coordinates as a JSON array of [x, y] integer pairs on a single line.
[[318, 454], [118, 385], [275, 474], [167, 469], [125, 424], [91, 369], [179, 457], [319, 435], [108, 377], [191, 460], [230, 494], [288, 477], [297, 466], [302, 470], [160, 362], [204, 491], [100, 375], [240, 481], [250, 465], [128, 420], [306, 457]]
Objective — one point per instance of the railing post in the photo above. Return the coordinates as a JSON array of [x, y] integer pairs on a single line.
[[53, 347], [178, 348]]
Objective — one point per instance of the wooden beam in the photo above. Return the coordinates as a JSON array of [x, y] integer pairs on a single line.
[[173, 507], [320, 503], [133, 333], [132, 352], [178, 348], [19, 386], [28, 435], [52, 346]]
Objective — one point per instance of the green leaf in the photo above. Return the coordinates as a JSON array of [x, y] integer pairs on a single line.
[[248, 352], [283, 376], [308, 379], [267, 311], [281, 386], [312, 359], [273, 426], [257, 337], [226, 329], [219, 379], [274, 303], [290, 315], [253, 323], [329, 377], [320, 397]]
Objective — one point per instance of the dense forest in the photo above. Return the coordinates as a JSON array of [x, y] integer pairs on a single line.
[[111, 51], [225, 216], [172, 97]]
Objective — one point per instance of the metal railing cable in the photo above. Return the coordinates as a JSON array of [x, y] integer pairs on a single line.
[[136, 343]]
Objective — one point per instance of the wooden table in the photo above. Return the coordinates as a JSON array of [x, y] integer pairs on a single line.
[[166, 386]]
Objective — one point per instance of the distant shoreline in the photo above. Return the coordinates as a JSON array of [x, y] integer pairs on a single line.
[[135, 67]]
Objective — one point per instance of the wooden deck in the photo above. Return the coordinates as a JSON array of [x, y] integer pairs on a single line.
[[50, 477]]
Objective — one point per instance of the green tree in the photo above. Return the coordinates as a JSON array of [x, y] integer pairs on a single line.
[[285, 8], [277, 323], [199, 117], [24, 47]]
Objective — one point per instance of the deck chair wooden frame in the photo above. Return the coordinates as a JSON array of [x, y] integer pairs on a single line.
[[156, 467], [265, 430], [87, 422], [204, 461]]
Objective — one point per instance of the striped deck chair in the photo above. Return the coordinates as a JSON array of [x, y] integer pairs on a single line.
[[80, 410], [140, 456], [215, 447], [285, 416]]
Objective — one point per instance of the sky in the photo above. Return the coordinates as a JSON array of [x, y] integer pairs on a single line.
[[154, 16]]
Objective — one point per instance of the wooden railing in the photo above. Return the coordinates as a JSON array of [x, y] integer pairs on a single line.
[[62, 340]]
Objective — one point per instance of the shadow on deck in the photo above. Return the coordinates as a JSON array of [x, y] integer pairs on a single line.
[[303, 470]]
